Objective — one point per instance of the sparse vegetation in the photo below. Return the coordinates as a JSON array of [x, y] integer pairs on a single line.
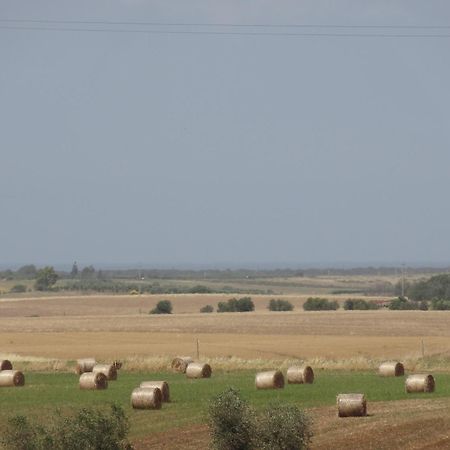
[[402, 303], [320, 304], [280, 305], [207, 309], [18, 288]]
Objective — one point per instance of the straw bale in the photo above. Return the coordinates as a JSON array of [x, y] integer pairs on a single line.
[[5, 364], [91, 380], [106, 369], [300, 375], [198, 370], [391, 369], [146, 398], [9, 378], [85, 365], [180, 363], [273, 379], [351, 405], [420, 383], [163, 386]]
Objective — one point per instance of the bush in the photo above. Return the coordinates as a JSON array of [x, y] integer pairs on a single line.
[[234, 425], [162, 307], [359, 304], [17, 288], [280, 305], [231, 422], [87, 429], [440, 305], [283, 427], [206, 309], [403, 304], [244, 304], [320, 304]]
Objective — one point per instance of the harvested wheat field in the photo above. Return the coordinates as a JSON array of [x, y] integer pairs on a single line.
[[105, 327]]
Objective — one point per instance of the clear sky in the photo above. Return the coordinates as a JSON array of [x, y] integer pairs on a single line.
[[224, 149]]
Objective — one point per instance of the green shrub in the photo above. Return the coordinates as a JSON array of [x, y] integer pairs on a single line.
[[17, 288], [244, 304], [45, 279], [283, 427], [320, 304], [231, 422], [359, 304], [280, 305], [401, 303], [162, 307], [88, 429], [207, 309], [440, 304]]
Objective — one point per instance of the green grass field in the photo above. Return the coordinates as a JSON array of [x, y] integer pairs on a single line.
[[44, 393]]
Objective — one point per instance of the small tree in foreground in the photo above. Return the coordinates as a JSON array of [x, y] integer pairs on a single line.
[[231, 422], [162, 307], [234, 425], [283, 427]]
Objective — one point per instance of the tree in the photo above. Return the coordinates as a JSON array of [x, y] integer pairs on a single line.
[[28, 271], [45, 279], [162, 307], [74, 271], [88, 273], [280, 305]]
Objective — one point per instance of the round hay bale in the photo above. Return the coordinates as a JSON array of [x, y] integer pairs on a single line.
[[391, 369], [91, 380], [5, 365], [198, 370], [300, 375], [9, 378], [85, 365], [180, 363], [351, 405], [106, 369], [419, 383], [163, 386], [273, 379], [146, 398]]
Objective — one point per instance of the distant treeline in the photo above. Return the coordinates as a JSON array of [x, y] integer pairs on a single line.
[[29, 270]]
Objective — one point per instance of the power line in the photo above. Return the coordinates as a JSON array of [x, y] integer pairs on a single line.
[[224, 33], [228, 25]]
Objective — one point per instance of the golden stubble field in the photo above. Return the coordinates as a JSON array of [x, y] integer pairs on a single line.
[[120, 327]]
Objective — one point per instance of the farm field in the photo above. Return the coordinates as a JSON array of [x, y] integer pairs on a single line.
[[44, 335], [187, 412]]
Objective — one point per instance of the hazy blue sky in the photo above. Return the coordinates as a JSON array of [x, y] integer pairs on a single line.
[[176, 149]]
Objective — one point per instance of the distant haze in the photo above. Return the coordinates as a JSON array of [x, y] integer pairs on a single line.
[[224, 149]]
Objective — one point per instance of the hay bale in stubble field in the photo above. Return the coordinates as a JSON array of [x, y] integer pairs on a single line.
[[419, 383], [146, 398], [5, 365], [272, 379], [91, 380], [106, 369], [163, 386], [300, 375], [180, 363], [351, 405], [391, 369], [198, 370], [11, 378], [85, 365]]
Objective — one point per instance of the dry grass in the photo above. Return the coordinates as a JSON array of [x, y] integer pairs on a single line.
[[105, 328]]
